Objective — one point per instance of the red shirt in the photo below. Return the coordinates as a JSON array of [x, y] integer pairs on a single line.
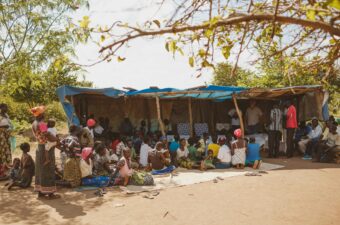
[[114, 145], [291, 117]]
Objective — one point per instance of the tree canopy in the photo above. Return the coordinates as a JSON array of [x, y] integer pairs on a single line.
[[208, 29], [37, 40]]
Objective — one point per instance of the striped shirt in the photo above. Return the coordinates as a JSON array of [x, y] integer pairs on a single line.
[[276, 119]]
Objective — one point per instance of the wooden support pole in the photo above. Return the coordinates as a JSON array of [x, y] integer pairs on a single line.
[[239, 114], [161, 125], [190, 117]]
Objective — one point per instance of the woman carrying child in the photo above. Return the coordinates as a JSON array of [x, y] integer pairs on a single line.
[[44, 174], [238, 150]]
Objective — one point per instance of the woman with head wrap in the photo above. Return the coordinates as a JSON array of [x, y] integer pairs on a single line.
[[5, 147], [44, 174]]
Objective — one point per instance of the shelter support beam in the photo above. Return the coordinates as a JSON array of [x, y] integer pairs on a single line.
[[161, 125], [190, 117], [239, 114]]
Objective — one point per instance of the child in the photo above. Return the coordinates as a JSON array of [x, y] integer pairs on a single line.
[[253, 158], [183, 155], [26, 168], [53, 132], [14, 173], [238, 150], [207, 163]]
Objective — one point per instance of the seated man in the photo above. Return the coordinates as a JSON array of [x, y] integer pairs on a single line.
[[302, 131], [311, 139], [330, 145]]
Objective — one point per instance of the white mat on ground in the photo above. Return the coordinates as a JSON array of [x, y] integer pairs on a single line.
[[188, 177]]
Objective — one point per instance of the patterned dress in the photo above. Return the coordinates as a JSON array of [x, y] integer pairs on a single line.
[[5, 146], [44, 174], [239, 156]]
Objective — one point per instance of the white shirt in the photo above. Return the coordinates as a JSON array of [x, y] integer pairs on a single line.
[[181, 153], [86, 169], [315, 133], [91, 131], [98, 129], [253, 115], [224, 154], [144, 153], [234, 121], [52, 131]]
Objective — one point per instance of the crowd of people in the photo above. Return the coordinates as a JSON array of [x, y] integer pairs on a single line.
[[93, 155]]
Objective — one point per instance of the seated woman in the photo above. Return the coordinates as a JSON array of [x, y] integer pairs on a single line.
[[158, 162], [207, 162], [183, 155], [134, 158], [101, 161], [194, 155], [126, 175], [238, 150], [253, 158], [26, 168]]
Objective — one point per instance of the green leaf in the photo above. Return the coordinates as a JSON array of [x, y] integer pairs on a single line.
[[180, 51], [102, 38], [120, 59], [167, 46], [201, 53], [157, 23], [226, 51], [208, 33], [332, 41], [334, 4], [191, 61], [311, 14], [85, 22]]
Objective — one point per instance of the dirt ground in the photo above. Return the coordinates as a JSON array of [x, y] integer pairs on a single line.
[[301, 193]]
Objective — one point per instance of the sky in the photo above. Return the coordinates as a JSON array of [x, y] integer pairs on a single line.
[[147, 62]]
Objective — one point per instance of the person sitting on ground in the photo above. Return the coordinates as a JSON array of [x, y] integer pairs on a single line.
[[134, 157], [98, 129], [183, 155], [144, 152], [238, 150], [174, 145], [156, 157], [124, 166], [311, 139], [207, 162], [302, 131], [87, 134], [86, 162], [327, 148], [194, 155], [224, 155], [121, 145], [253, 158], [14, 174], [27, 168], [101, 161], [214, 146], [126, 127], [204, 142], [137, 141]]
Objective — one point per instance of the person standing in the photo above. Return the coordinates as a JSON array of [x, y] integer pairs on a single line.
[[291, 125], [235, 121], [274, 134], [5, 146], [44, 173], [87, 134], [253, 116]]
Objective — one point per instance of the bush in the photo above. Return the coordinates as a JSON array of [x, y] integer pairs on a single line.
[[21, 115]]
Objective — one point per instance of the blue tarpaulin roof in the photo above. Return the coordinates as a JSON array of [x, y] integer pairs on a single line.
[[211, 92]]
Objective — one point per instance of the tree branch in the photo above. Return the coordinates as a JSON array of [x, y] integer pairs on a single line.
[[232, 21]]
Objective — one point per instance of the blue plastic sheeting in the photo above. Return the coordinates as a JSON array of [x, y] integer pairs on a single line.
[[64, 91], [223, 88], [151, 90]]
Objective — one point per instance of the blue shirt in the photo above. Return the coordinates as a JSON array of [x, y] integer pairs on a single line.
[[173, 146], [253, 152], [302, 132]]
